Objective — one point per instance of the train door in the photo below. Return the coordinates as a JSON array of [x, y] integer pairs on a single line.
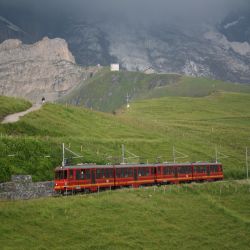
[[208, 170], [135, 174], [175, 172], [154, 173], [93, 181]]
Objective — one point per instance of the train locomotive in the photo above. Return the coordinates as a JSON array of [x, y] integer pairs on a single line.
[[91, 177]]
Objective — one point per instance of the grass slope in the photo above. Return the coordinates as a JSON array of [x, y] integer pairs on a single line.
[[196, 126], [194, 216], [149, 129], [9, 105], [107, 91]]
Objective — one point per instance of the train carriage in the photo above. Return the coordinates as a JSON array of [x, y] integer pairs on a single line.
[[91, 177], [174, 173]]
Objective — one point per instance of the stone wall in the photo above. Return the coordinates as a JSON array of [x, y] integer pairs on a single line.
[[21, 187]]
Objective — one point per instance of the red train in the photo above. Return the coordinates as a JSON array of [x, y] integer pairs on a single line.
[[91, 177]]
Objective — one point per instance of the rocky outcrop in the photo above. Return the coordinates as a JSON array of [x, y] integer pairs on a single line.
[[46, 68], [21, 187]]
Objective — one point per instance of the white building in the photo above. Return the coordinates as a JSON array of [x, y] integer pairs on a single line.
[[114, 67]]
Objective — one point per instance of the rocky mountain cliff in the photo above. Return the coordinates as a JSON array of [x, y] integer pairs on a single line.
[[43, 69], [219, 50]]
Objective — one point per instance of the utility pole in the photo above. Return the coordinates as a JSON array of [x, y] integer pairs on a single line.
[[70, 151], [63, 152], [216, 154], [128, 101], [247, 162], [123, 154], [174, 154]]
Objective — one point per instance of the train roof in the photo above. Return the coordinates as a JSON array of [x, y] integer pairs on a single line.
[[166, 164]]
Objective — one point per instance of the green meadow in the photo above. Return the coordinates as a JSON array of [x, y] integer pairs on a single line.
[[150, 129], [192, 216], [195, 117]]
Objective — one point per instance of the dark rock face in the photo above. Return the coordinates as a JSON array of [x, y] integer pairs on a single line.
[[236, 27]]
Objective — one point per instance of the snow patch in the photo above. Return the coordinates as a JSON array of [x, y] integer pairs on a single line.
[[226, 26]]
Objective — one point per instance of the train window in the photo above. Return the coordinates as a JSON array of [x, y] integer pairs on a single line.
[[130, 172], [58, 175], [87, 174], [106, 173], [214, 168], [64, 174], [200, 169], [165, 170], [142, 171], [139, 171], [71, 174], [111, 174], [100, 173], [78, 174], [159, 170], [61, 174], [184, 170], [118, 172], [126, 172]]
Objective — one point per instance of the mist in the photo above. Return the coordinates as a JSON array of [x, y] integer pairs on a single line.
[[161, 11]]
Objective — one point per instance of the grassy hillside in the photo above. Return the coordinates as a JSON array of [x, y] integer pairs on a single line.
[[197, 125], [107, 91], [208, 216], [149, 129], [10, 105]]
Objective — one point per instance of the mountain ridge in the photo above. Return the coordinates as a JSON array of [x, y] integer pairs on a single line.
[[44, 69], [164, 47]]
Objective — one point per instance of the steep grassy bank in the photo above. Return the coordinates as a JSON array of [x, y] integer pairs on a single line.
[[207, 216]]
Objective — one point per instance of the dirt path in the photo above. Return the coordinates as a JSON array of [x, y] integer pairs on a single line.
[[15, 117]]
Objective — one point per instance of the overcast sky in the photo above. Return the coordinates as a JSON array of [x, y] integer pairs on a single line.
[[145, 10]]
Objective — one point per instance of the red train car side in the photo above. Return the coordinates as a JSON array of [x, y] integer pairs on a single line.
[[90, 178]]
